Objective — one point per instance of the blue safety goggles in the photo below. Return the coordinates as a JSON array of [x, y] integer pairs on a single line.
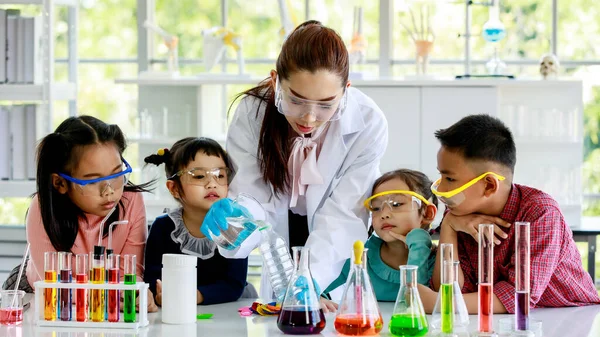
[[94, 187]]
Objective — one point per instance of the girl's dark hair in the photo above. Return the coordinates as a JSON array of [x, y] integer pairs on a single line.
[[310, 47], [59, 152], [416, 182], [184, 151]]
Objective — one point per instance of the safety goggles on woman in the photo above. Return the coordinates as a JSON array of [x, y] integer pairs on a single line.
[[296, 107], [456, 196], [97, 187], [396, 200], [201, 176]]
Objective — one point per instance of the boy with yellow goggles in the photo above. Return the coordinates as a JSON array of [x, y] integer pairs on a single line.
[[456, 196], [482, 143]]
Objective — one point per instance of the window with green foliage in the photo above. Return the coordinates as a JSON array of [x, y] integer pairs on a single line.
[[107, 50]]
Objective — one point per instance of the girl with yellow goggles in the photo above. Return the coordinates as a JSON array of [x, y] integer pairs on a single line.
[[402, 209]]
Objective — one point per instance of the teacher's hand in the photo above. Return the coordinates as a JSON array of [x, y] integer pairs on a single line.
[[215, 220]]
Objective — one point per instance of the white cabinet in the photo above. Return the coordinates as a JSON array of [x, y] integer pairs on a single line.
[[547, 123], [402, 108]]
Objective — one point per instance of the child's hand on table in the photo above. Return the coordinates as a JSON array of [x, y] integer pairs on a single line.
[[327, 305], [152, 307], [428, 297], [158, 296]]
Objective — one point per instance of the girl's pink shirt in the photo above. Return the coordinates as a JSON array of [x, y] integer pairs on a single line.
[[126, 239]]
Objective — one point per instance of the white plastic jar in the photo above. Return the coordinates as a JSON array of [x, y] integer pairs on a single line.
[[179, 289]]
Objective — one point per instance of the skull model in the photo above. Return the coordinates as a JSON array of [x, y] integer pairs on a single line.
[[549, 65]]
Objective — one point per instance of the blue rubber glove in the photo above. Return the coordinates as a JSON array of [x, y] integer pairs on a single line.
[[216, 218], [302, 290]]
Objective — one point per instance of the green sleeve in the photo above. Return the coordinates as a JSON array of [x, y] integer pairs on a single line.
[[419, 250], [341, 280]]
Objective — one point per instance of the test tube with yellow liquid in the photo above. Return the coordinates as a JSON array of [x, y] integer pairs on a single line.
[[50, 294], [98, 277]]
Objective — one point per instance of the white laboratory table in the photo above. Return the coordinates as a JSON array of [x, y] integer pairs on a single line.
[[580, 322]]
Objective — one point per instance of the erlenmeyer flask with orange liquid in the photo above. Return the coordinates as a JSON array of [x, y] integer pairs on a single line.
[[358, 313]]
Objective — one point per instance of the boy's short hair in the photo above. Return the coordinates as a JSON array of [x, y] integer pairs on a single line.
[[481, 137]]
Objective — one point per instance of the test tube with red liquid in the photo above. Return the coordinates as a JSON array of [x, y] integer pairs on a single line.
[[112, 266], [66, 276], [82, 269], [486, 279]]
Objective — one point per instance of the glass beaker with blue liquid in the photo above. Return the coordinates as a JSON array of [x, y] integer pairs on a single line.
[[493, 31], [241, 227]]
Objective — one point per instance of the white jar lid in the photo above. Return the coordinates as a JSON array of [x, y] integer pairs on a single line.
[[179, 260]]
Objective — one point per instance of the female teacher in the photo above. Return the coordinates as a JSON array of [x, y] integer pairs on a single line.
[[307, 146]]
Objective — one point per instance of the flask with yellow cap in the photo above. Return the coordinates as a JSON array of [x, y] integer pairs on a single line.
[[358, 313]]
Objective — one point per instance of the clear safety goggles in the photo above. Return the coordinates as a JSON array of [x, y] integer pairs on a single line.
[[396, 200], [98, 186], [201, 176], [456, 196], [293, 106]]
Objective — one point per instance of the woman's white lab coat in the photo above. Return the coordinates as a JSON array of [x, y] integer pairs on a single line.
[[349, 164]]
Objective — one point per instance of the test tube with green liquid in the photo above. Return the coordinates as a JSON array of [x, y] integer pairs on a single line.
[[129, 297], [447, 304]]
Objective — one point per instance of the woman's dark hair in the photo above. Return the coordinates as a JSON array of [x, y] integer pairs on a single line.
[[416, 181], [59, 152], [310, 47], [183, 152]]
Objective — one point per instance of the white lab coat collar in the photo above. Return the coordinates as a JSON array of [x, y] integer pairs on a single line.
[[351, 120]]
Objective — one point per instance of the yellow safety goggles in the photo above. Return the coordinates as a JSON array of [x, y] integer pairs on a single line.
[[454, 197], [397, 201]]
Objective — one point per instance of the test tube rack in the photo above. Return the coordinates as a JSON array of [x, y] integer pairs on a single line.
[[141, 317]]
